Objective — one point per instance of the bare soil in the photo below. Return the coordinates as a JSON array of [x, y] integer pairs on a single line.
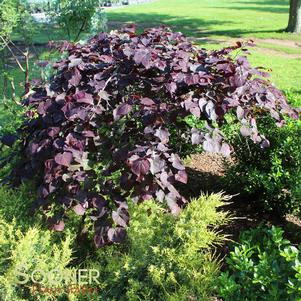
[[274, 52], [287, 43]]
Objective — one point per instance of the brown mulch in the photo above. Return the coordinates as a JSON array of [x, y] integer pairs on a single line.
[[205, 175], [207, 163]]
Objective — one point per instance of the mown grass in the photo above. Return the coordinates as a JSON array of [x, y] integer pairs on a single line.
[[280, 48], [212, 24], [221, 22], [218, 18]]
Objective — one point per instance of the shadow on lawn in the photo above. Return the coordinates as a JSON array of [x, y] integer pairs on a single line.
[[272, 6], [270, 9], [237, 33], [197, 28], [189, 26]]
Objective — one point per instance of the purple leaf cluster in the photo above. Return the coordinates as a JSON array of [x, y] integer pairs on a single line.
[[99, 132]]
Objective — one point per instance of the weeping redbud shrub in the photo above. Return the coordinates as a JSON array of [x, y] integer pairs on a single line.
[[100, 132]]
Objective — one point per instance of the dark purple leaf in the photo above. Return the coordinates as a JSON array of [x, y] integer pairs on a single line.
[[121, 217], [79, 209], [240, 112], [75, 62], [210, 110], [196, 136], [195, 111], [164, 179], [140, 167], [181, 176], [176, 162], [265, 143], [163, 135], [9, 140], [143, 56], [100, 240], [172, 204], [64, 159], [225, 150], [59, 226], [156, 165], [83, 97], [211, 145], [53, 131], [99, 202], [122, 110], [75, 77], [117, 235], [245, 131], [147, 102]]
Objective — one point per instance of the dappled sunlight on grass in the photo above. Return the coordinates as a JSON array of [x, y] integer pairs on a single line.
[[213, 24]]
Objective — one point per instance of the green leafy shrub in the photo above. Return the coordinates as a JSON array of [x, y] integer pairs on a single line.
[[165, 257], [16, 204], [263, 267], [98, 22], [37, 6], [10, 116], [27, 26], [293, 97], [270, 177], [75, 17], [23, 252], [8, 20], [26, 247]]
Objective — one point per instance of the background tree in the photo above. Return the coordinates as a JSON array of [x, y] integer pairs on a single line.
[[14, 18], [75, 16], [8, 20], [294, 23]]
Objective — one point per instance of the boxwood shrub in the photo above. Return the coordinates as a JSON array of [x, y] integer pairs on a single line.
[[263, 266], [270, 179]]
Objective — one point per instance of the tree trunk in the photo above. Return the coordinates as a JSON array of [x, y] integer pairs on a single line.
[[294, 23]]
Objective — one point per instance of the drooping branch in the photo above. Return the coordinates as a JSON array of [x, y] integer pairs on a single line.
[[25, 69]]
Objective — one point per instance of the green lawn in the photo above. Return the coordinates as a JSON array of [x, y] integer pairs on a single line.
[[212, 18], [220, 22], [212, 23]]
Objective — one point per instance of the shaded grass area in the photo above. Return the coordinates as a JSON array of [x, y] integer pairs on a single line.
[[38, 53], [219, 22], [212, 24], [43, 33], [219, 18]]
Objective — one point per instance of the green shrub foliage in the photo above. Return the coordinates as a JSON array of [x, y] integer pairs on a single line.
[[77, 16], [165, 257], [262, 267], [8, 20], [24, 252], [100, 130], [270, 178], [16, 204]]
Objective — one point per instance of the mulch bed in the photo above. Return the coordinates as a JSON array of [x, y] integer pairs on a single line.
[[205, 175]]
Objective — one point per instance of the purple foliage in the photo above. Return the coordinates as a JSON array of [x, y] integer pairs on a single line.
[[99, 131]]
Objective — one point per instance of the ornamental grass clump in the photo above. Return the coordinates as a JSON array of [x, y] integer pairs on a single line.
[[103, 130]]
